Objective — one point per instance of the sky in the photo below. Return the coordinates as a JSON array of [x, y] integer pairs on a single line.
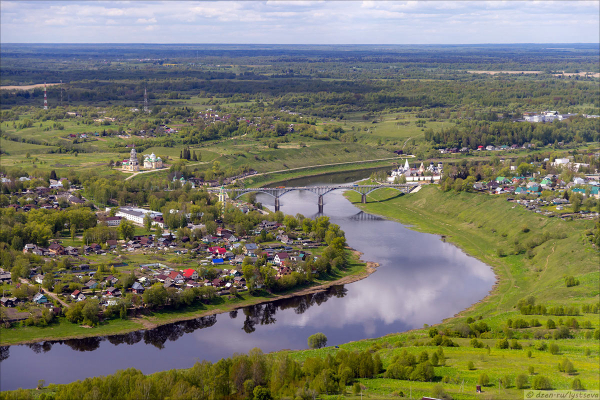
[[300, 22]]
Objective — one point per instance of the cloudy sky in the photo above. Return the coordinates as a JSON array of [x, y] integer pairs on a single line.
[[296, 22]]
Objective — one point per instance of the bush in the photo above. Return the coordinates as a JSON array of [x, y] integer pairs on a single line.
[[542, 346], [531, 370], [484, 380], [521, 381], [561, 333], [541, 383], [317, 340], [470, 366], [553, 348], [515, 345], [505, 381], [571, 281], [477, 344], [566, 366], [576, 385], [502, 344], [438, 392]]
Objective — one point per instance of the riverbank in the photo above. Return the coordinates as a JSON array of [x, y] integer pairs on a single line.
[[63, 330]]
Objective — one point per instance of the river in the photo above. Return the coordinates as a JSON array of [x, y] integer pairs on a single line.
[[421, 280]]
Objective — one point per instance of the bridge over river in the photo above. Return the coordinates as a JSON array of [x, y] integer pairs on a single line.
[[320, 191]]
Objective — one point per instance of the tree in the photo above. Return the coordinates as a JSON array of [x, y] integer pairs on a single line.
[[126, 229], [262, 393], [576, 385], [148, 222], [317, 341], [48, 281], [521, 381], [576, 202], [483, 380], [290, 222], [540, 383]]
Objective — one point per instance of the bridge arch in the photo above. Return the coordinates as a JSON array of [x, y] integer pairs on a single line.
[[399, 189], [257, 190]]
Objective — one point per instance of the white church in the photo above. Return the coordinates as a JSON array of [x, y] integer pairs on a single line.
[[417, 174]]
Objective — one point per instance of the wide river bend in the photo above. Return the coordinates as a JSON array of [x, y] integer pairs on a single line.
[[421, 280]]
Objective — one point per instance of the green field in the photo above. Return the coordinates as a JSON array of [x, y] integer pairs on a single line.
[[10, 147]]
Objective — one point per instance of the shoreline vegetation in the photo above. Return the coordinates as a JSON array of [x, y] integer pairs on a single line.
[[357, 270]]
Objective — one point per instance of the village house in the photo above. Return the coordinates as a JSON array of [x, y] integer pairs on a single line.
[[112, 221], [112, 291], [56, 249], [190, 274], [40, 299], [8, 302], [5, 277], [137, 288], [280, 258]]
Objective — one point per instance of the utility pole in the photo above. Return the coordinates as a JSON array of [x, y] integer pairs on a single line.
[[61, 93], [45, 98], [145, 101]]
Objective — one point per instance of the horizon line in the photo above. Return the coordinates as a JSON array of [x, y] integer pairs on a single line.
[[309, 44]]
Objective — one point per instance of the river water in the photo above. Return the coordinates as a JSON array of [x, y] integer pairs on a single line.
[[421, 280]]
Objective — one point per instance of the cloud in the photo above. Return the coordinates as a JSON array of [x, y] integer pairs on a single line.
[[146, 21], [56, 21], [318, 22]]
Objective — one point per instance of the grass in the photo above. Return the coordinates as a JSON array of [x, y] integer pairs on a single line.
[[16, 148], [63, 163], [265, 160], [64, 329]]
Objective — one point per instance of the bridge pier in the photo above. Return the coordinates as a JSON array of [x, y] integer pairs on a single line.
[[320, 204], [364, 198], [277, 204]]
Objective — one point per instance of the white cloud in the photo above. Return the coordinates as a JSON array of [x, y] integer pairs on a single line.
[[318, 22], [146, 21]]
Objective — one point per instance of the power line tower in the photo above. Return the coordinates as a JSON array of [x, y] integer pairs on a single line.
[[61, 93], [145, 101], [45, 98]]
